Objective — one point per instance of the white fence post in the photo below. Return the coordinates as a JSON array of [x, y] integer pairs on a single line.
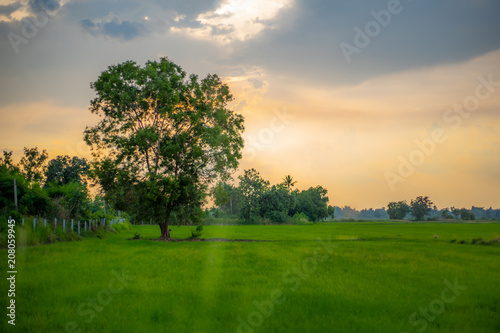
[[55, 224], [64, 225], [71, 225], [34, 223], [45, 222], [85, 226], [23, 221]]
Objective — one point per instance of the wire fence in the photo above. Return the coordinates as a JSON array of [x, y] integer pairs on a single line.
[[73, 225]]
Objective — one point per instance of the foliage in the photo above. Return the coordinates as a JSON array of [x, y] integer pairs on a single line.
[[313, 203], [331, 212], [162, 137], [398, 210], [32, 200], [7, 164], [276, 203], [196, 233], [220, 195], [251, 187], [288, 182], [466, 214], [32, 164], [445, 214], [70, 200], [299, 218], [65, 169], [420, 207]]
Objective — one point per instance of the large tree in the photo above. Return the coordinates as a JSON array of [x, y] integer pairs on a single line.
[[397, 210], [420, 207], [162, 136]]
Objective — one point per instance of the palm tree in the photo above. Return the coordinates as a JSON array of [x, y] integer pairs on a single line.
[[288, 181]]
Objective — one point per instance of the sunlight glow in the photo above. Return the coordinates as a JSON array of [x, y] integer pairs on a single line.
[[237, 20]]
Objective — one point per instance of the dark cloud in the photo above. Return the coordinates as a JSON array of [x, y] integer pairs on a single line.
[[47, 6], [7, 10], [122, 30], [306, 43]]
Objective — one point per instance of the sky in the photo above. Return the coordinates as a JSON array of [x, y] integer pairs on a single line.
[[376, 101]]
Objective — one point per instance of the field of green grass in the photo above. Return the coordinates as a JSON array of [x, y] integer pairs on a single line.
[[331, 277]]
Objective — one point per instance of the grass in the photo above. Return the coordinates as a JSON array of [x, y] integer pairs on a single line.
[[370, 277]]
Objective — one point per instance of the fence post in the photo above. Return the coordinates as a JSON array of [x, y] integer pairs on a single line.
[[23, 221], [85, 226], [55, 224], [78, 227], [71, 225], [34, 223], [64, 225], [45, 222]]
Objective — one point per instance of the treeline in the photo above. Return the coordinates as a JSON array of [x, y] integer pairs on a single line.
[[255, 198], [423, 208], [48, 188]]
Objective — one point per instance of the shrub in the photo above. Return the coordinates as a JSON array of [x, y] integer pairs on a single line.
[[196, 233], [122, 226], [299, 218]]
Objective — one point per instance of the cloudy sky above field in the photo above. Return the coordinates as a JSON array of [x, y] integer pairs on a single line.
[[343, 122]]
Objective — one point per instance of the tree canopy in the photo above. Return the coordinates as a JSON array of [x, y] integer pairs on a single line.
[[420, 207]]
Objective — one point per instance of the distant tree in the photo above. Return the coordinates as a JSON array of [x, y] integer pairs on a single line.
[[70, 200], [331, 212], [313, 202], [398, 210], [445, 214], [466, 214], [65, 169], [33, 164], [276, 203], [420, 207], [251, 187], [288, 182], [163, 138], [6, 162], [456, 212], [220, 195], [234, 199]]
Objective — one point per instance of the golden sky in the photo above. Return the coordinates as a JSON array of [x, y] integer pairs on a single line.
[[309, 113]]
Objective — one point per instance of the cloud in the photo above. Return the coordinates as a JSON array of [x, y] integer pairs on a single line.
[[236, 20], [114, 28], [7, 10], [47, 6]]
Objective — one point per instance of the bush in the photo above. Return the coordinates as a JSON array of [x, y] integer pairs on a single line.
[[122, 226], [196, 233], [299, 218]]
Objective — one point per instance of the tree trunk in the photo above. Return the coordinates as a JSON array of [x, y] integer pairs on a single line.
[[165, 231]]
